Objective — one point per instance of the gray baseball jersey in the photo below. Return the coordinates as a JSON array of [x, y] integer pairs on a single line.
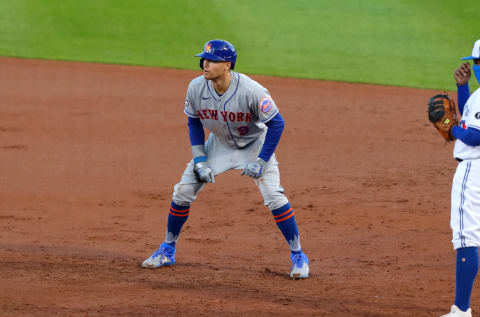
[[236, 122], [238, 116]]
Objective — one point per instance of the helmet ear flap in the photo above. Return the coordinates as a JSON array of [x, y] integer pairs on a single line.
[[201, 63]]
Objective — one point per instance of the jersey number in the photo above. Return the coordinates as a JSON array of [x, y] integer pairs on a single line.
[[243, 130]]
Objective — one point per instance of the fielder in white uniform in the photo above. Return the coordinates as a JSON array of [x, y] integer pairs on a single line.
[[465, 200], [245, 127]]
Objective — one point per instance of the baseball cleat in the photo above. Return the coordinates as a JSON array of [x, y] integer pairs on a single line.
[[456, 312], [164, 256], [300, 267]]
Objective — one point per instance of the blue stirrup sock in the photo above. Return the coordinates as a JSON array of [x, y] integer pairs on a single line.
[[467, 268], [285, 219], [176, 218]]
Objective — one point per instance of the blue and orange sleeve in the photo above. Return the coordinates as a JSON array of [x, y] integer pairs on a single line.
[[274, 132], [195, 131]]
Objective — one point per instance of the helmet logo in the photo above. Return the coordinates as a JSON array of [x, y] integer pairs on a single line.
[[208, 48]]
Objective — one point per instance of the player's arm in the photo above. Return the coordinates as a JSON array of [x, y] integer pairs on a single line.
[[264, 108], [274, 132], [463, 93], [195, 126], [203, 172], [201, 169], [462, 74], [197, 139], [469, 136]]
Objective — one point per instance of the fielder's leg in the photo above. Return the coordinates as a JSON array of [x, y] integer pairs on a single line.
[[466, 271], [185, 192], [465, 224], [284, 216]]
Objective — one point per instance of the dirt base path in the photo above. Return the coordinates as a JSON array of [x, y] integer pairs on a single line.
[[89, 154]]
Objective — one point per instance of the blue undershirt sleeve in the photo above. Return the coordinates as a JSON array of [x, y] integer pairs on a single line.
[[274, 132], [463, 93], [469, 136], [195, 130]]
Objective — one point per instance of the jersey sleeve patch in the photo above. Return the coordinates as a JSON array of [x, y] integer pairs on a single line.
[[188, 110], [266, 104]]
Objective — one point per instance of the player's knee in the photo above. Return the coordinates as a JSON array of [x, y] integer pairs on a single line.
[[184, 194], [275, 201]]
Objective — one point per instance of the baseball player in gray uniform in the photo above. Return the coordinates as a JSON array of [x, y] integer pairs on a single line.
[[245, 127]]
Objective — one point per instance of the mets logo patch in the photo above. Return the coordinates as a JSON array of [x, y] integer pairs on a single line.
[[208, 48], [266, 104]]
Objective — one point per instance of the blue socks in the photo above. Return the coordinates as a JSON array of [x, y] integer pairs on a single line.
[[285, 219], [467, 268], [176, 218]]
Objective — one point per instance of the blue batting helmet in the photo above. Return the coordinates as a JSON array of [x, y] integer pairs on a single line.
[[218, 51]]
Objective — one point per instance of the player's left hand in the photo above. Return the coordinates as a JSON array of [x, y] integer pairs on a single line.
[[255, 169], [203, 173]]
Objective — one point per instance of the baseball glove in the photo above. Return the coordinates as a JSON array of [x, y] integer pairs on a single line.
[[442, 112]]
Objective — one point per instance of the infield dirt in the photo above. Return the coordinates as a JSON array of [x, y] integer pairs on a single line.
[[89, 154]]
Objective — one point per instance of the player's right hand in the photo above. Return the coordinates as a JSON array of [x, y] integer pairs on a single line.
[[203, 173], [255, 169], [462, 74]]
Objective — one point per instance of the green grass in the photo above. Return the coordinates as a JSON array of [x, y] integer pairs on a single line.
[[411, 43]]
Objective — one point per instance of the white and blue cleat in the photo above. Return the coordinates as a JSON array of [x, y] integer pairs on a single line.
[[164, 256], [300, 267], [456, 312]]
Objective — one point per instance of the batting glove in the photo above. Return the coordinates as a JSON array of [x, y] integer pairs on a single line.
[[255, 169], [203, 173]]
